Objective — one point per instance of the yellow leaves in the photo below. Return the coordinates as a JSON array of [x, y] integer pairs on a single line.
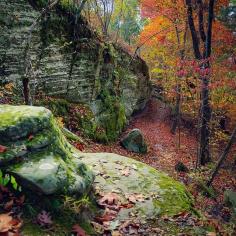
[[60, 121], [9, 87], [156, 31]]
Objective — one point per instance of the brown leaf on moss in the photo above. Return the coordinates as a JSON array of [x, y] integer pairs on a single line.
[[109, 199]]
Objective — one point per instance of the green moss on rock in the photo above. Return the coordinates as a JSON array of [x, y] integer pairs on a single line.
[[162, 194], [38, 155]]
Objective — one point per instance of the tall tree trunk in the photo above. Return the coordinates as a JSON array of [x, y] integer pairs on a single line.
[[176, 121], [223, 157], [204, 153]]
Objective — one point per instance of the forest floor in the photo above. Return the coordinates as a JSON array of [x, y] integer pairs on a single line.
[[166, 150]]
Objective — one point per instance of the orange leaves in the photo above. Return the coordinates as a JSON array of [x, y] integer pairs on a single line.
[[156, 31], [223, 41], [9, 225], [169, 8]]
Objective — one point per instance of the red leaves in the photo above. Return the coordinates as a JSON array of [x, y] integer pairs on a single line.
[[30, 137], [78, 231], [8, 206], [3, 149], [108, 215], [79, 146]]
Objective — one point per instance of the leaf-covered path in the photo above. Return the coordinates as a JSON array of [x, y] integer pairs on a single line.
[[164, 150]]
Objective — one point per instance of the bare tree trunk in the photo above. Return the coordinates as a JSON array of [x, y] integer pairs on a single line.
[[176, 121], [176, 110], [204, 153], [223, 157]]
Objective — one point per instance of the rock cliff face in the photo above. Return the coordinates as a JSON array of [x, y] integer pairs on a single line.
[[68, 60]]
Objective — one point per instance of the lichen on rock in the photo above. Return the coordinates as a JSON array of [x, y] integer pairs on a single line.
[[38, 155], [127, 177]]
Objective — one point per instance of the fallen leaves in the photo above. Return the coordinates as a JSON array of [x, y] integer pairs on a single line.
[[129, 227], [9, 224], [79, 146], [10, 202], [78, 231], [109, 199], [108, 215], [126, 172], [133, 198], [8, 206], [113, 203], [3, 149]]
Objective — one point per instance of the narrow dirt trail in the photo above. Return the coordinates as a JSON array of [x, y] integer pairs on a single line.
[[163, 149]]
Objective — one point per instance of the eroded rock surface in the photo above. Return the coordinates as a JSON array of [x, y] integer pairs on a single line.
[[37, 153], [152, 192], [84, 69]]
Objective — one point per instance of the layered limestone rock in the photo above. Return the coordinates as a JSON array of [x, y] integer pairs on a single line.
[[70, 61], [37, 154]]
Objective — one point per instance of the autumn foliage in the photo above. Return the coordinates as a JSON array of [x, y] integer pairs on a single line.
[[166, 36]]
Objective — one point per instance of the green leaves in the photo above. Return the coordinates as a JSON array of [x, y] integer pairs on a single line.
[[5, 179]]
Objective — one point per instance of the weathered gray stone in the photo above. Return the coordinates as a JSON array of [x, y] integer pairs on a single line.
[[155, 193], [38, 155], [134, 141], [58, 70]]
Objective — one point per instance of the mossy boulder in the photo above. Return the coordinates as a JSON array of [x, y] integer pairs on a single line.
[[230, 199], [156, 193], [134, 141], [38, 155]]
